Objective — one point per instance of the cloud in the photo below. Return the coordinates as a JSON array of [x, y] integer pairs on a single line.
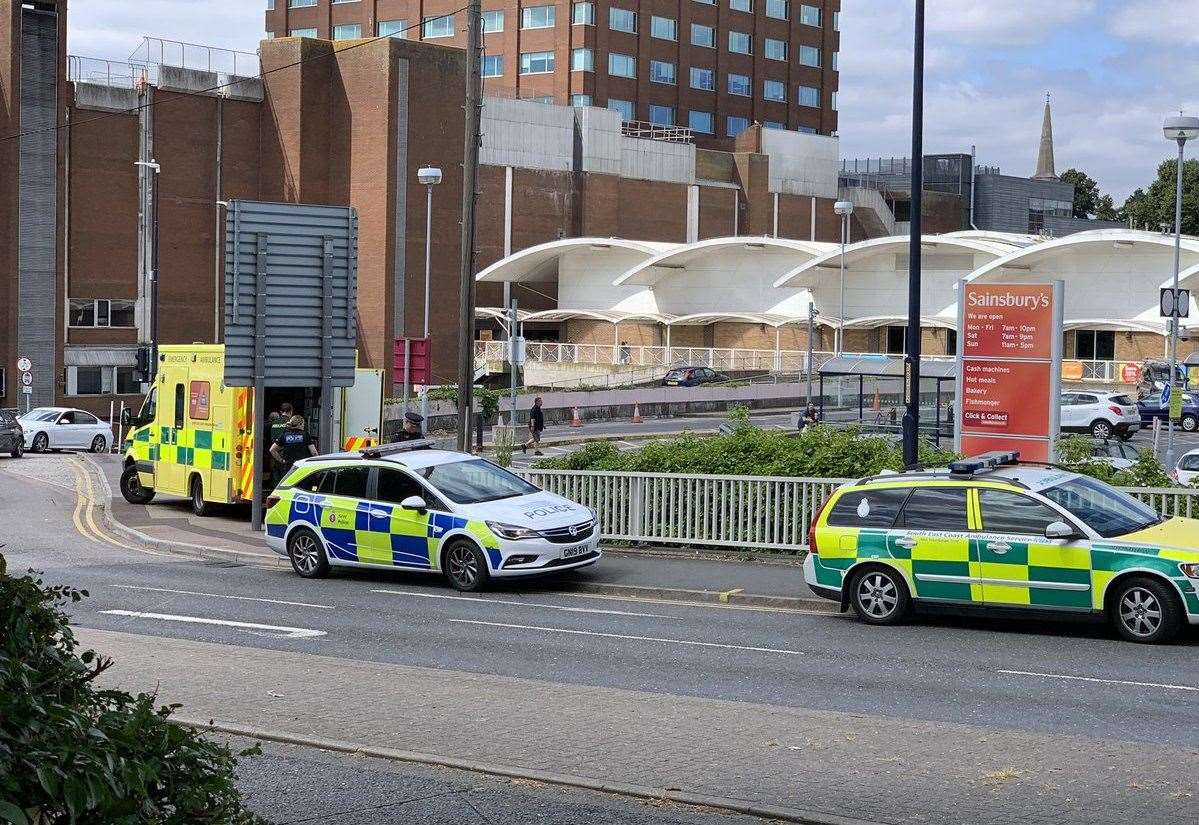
[[113, 29], [1012, 22], [1170, 22]]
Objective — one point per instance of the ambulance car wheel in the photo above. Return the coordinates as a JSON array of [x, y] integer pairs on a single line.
[[132, 489], [199, 506], [879, 596], [98, 444], [465, 566], [307, 554], [40, 442], [1143, 609]]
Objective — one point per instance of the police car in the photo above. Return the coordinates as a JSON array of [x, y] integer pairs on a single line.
[[993, 534], [408, 506]]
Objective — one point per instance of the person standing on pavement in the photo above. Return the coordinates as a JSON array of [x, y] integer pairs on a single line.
[[412, 427], [536, 425], [292, 445]]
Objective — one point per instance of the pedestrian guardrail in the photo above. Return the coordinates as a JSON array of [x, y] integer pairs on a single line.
[[744, 512]]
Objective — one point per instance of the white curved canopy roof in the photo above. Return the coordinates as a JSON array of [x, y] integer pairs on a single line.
[[1116, 239], [672, 261], [897, 320], [540, 263], [611, 316], [1005, 238]]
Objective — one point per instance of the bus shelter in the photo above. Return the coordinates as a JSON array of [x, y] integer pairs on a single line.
[[874, 384]]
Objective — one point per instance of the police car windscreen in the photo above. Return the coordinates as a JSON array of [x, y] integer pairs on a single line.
[[1104, 509], [473, 482]]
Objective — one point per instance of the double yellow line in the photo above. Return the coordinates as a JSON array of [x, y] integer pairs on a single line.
[[84, 516]]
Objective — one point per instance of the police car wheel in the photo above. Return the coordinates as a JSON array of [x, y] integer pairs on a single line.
[[307, 554], [465, 567], [879, 596], [132, 489], [41, 441], [1145, 610]]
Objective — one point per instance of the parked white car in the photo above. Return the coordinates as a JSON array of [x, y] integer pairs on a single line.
[[1186, 471], [64, 428], [1102, 414]]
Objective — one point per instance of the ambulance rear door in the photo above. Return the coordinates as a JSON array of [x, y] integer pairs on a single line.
[[359, 412]]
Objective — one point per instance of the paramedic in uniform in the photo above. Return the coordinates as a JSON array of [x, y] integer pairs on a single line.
[[412, 428], [292, 444]]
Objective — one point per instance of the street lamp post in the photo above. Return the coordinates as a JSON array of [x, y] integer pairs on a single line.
[[430, 176], [844, 209], [1178, 128], [911, 416], [154, 168]]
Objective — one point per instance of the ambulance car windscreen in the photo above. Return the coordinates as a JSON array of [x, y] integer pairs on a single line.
[[1104, 509], [474, 482]]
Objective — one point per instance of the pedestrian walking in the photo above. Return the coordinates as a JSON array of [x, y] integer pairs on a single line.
[[293, 444], [412, 427], [536, 425], [626, 354]]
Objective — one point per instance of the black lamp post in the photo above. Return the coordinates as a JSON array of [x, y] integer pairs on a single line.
[[911, 416]]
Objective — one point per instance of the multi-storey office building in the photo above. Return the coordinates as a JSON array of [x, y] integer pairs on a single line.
[[715, 66]]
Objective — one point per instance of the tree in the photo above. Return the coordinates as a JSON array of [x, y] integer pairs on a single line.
[[1154, 207], [1086, 193]]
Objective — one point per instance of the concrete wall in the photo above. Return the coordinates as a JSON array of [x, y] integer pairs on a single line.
[[802, 164], [528, 134]]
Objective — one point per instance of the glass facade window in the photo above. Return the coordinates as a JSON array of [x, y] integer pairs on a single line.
[[493, 21], [703, 35], [580, 100], [583, 14], [625, 107], [661, 72], [774, 90], [809, 15], [664, 28], [739, 84], [833, 101], [735, 125], [741, 5], [773, 124], [809, 56], [302, 33], [809, 96], [701, 121], [393, 28], [621, 65], [807, 130], [347, 31], [101, 312], [704, 79], [536, 62], [300, 4], [622, 20], [493, 65], [741, 43], [778, 9], [582, 60], [1038, 208], [439, 27], [775, 49], [661, 115], [537, 17]]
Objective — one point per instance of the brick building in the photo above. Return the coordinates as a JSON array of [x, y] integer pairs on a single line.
[[715, 66]]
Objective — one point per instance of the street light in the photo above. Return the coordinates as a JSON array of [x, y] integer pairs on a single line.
[[1179, 128], [911, 362], [844, 209], [155, 168], [429, 176]]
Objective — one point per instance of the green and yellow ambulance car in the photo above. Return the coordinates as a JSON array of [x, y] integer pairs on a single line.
[[991, 534]]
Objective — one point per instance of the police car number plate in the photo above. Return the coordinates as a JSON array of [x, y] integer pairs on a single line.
[[571, 552]]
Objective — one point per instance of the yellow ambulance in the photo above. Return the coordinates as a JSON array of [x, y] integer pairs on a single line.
[[194, 436]]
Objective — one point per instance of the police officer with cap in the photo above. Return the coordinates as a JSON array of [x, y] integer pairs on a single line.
[[412, 427]]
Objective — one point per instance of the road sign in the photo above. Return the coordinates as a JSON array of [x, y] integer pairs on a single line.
[[27, 390], [27, 379], [24, 364], [1176, 406], [1175, 304], [1165, 399], [417, 361]]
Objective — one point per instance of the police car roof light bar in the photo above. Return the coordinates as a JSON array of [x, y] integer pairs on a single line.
[[981, 463], [398, 447]]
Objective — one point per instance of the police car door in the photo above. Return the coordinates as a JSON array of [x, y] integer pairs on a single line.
[[345, 512], [933, 528], [402, 534]]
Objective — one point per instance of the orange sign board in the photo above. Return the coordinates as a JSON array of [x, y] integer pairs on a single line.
[[1008, 321], [1130, 374], [1072, 371], [1006, 397]]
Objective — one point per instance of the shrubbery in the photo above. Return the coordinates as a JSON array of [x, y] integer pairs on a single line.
[[1074, 452], [71, 752]]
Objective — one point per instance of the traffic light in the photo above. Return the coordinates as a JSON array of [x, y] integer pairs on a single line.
[[143, 363]]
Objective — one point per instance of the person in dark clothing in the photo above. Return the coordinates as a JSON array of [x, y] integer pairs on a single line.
[[412, 427], [292, 445], [536, 425], [810, 416]]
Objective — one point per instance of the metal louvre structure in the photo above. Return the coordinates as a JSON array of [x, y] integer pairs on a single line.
[[291, 275]]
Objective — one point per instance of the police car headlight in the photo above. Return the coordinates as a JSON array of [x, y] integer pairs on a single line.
[[511, 531], [1191, 571]]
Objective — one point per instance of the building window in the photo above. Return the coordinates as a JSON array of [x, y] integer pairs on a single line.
[[661, 72], [493, 65], [807, 130], [1094, 345], [439, 27], [583, 14], [701, 121], [739, 85], [836, 56], [735, 125], [622, 20], [101, 312], [777, 9], [661, 115], [774, 90], [704, 79], [741, 43], [625, 107], [1038, 208], [621, 65], [90, 380], [548, 99], [951, 342], [809, 15], [580, 100], [493, 21], [302, 33], [300, 4], [896, 340], [703, 35], [582, 60], [833, 101], [707, 2], [393, 28], [809, 96], [270, 6], [741, 5], [536, 62], [773, 124], [537, 17], [664, 28], [347, 31], [775, 49], [809, 56]]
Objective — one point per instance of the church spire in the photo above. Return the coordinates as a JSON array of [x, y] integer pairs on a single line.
[[1045, 156]]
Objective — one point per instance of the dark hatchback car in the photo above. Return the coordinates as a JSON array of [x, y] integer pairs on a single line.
[[692, 377], [1151, 407], [12, 436]]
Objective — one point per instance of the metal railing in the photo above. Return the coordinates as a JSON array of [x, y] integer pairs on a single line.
[[161, 52], [748, 512], [718, 358], [98, 70], [656, 131]]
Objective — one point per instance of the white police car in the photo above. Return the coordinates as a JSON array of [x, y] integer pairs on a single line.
[[408, 506]]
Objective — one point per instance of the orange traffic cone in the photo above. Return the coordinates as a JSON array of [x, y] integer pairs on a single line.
[[575, 421], [878, 404], [636, 413]]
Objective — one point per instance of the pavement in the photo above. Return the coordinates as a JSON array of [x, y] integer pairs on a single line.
[[794, 714]]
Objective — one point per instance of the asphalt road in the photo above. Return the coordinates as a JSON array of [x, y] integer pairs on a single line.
[[1059, 678]]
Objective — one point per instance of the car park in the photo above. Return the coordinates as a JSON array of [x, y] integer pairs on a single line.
[[64, 428], [408, 506], [12, 436], [692, 377], [1102, 414], [1151, 407], [990, 534]]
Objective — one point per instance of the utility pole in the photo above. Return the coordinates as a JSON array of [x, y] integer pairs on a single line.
[[911, 361], [470, 185], [811, 325]]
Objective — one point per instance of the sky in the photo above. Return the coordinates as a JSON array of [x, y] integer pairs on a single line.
[[1114, 68]]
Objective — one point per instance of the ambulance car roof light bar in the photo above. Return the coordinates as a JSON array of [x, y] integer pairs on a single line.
[[398, 447], [986, 461]]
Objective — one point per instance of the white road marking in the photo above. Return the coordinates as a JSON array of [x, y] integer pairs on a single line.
[[561, 607], [632, 638], [222, 596], [269, 629], [1099, 681]]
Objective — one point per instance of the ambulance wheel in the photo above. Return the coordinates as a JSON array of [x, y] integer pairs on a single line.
[[879, 596], [1144, 609], [132, 489], [465, 566], [307, 554], [41, 442], [199, 506], [98, 444]]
